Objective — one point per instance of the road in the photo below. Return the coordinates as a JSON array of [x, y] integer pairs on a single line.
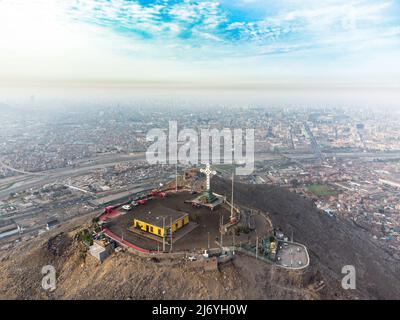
[[50, 176], [33, 231], [314, 143], [20, 183]]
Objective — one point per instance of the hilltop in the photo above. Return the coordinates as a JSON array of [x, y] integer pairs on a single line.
[[332, 243]]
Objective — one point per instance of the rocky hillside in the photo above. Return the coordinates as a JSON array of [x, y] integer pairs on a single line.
[[332, 242], [126, 276]]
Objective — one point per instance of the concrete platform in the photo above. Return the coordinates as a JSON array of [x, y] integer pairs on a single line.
[[292, 256], [212, 205], [206, 230]]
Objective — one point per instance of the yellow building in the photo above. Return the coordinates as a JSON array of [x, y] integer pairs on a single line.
[[159, 222]]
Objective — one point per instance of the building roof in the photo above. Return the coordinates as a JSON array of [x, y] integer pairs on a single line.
[[156, 215]]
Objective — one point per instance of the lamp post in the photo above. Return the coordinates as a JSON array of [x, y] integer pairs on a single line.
[[176, 177], [163, 240], [257, 247], [233, 216], [170, 228]]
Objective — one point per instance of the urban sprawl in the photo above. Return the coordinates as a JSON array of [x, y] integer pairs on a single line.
[[65, 163]]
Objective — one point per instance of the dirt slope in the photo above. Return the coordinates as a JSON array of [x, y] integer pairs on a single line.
[[332, 242], [126, 276]]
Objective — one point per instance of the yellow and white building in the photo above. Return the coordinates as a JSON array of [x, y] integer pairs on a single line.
[[160, 221]]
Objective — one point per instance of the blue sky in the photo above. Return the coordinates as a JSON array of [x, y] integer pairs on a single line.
[[260, 42]]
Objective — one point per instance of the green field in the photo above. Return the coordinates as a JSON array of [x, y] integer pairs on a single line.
[[321, 190]]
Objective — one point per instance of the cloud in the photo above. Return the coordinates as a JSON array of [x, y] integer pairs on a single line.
[[207, 23], [203, 39]]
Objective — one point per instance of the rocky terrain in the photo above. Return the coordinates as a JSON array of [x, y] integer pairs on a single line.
[[332, 243], [126, 276]]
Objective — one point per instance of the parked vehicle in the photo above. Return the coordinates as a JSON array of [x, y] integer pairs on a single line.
[[109, 209]]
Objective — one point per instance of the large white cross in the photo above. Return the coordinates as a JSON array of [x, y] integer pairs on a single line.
[[208, 172]]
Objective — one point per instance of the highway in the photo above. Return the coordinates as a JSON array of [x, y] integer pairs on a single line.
[[33, 180], [33, 231], [314, 143], [20, 183]]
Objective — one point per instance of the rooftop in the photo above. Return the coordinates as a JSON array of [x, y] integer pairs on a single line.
[[156, 214]]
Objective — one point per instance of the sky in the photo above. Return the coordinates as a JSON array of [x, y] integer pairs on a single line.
[[243, 43]]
